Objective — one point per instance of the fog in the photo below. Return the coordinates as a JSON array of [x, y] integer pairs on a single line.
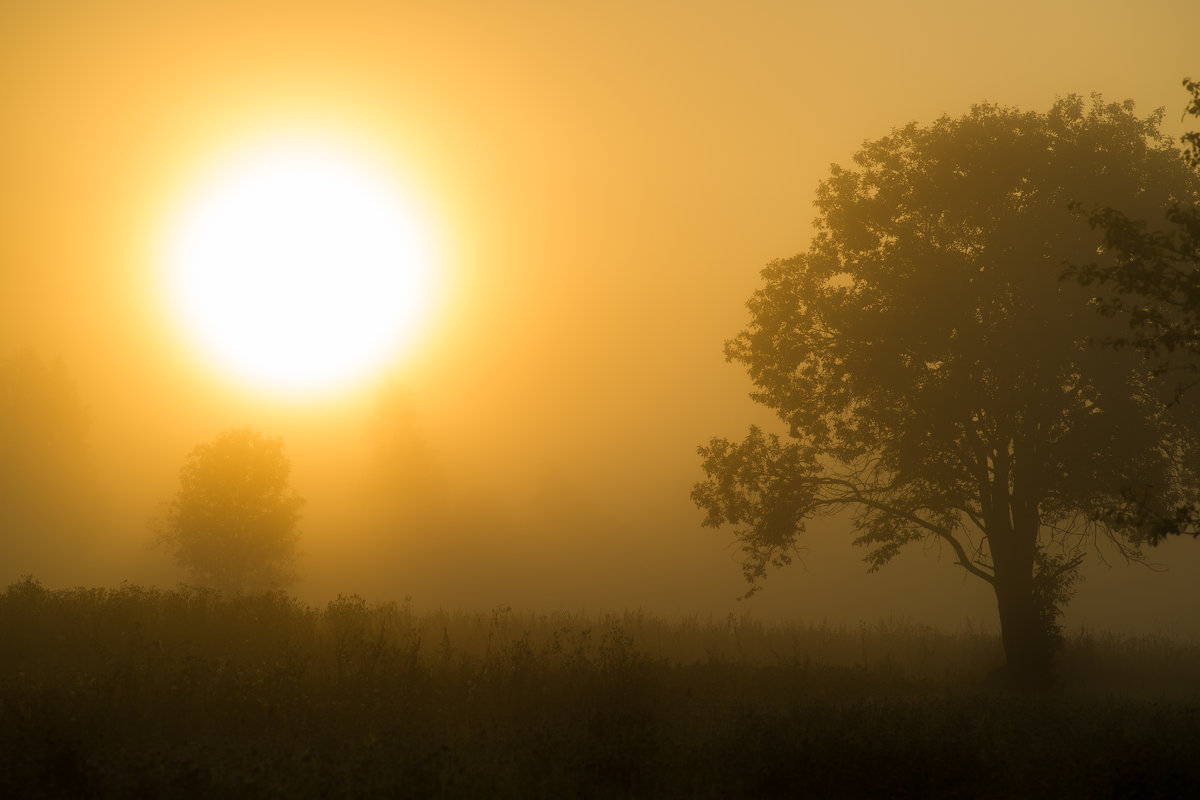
[[606, 182]]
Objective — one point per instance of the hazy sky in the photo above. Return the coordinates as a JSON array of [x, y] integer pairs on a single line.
[[606, 179]]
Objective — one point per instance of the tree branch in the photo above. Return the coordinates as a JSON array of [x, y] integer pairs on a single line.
[[857, 496]]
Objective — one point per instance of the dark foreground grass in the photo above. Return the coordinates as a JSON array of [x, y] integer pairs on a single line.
[[134, 692]]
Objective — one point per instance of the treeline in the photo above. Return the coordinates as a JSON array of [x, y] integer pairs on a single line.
[[135, 691]]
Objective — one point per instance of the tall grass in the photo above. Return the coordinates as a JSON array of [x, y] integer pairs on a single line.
[[135, 691]]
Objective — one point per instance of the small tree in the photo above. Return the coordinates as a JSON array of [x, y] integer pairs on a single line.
[[232, 523], [933, 373]]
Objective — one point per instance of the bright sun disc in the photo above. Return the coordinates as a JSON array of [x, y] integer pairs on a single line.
[[299, 266]]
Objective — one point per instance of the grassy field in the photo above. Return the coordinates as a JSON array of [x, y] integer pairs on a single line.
[[133, 692]]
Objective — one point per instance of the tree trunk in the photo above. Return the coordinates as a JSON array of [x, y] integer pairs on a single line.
[[1023, 630], [1013, 528], [1027, 642]]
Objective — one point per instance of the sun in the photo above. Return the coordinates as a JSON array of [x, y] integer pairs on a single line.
[[299, 265]]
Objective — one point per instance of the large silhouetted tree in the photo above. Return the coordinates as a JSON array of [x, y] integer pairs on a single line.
[[1152, 279], [934, 374], [232, 523], [1152, 282]]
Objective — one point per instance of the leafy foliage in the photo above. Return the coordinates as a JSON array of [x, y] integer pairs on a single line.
[[933, 372], [232, 523], [1152, 283]]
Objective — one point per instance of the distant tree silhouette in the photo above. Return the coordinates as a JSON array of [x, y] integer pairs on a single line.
[[933, 372], [1152, 281], [43, 474], [405, 480], [232, 524]]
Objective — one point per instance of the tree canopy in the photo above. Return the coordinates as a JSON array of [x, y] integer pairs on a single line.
[[1152, 282], [1153, 277], [933, 374], [232, 524]]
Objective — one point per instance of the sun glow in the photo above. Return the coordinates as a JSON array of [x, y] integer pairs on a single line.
[[299, 266]]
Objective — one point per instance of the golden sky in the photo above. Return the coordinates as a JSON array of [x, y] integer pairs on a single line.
[[606, 180]]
